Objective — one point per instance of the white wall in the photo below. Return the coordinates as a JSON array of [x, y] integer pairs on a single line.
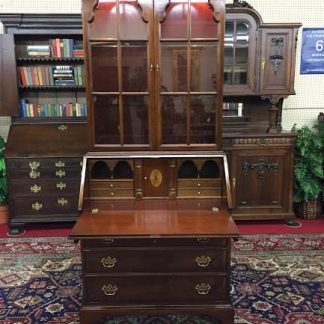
[[302, 108]]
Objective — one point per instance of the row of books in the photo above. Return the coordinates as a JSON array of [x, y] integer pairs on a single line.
[[57, 47], [233, 109], [69, 109], [59, 75]]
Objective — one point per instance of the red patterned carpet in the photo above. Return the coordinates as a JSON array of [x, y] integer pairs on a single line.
[[276, 279]]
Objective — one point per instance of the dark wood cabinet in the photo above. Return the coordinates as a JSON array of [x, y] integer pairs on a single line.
[[44, 173], [261, 169]]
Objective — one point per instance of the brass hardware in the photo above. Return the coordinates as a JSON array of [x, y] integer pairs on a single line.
[[34, 165], [35, 188], [260, 166], [111, 194], [202, 240], [37, 206], [59, 164], [109, 290], [145, 178], [151, 67], [62, 201], [156, 178], [157, 68], [203, 289], [61, 185], [215, 209], [60, 173], [111, 185], [34, 174], [198, 193], [203, 261], [94, 211], [108, 240], [263, 63], [62, 128], [234, 183], [198, 184], [108, 262]]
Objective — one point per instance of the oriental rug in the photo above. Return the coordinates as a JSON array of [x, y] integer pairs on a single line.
[[275, 279]]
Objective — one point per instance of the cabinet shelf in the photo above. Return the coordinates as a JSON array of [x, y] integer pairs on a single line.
[[52, 88], [50, 59]]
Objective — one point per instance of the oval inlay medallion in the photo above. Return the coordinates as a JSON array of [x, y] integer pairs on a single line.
[[156, 178]]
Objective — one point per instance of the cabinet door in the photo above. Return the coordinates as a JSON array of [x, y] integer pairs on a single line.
[[263, 180], [189, 80], [277, 60], [8, 77], [118, 40], [239, 54], [155, 73]]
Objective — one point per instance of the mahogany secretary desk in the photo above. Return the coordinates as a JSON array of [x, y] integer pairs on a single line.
[[154, 225]]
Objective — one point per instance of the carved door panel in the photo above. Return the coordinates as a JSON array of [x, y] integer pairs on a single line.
[[277, 60], [156, 178], [261, 179]]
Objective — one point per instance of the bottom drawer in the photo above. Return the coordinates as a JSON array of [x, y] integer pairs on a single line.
[[155, 289]]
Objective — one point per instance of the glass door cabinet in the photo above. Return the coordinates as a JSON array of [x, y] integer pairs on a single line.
[[155, 74]]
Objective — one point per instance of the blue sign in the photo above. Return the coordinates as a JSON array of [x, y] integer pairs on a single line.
[[312, 55]]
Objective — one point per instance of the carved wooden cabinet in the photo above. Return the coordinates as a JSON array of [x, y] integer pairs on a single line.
[[261, 169]]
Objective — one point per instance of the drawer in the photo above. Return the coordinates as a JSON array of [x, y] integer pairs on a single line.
[[174, 259], [50, 205], [45, 173], [111, 193], [201, 192], [198, 183], [37, 163], [156, 289], [147, 242], [111, 184], [39, 187]]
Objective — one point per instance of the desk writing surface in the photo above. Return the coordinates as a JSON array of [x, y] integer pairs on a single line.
[[169, 218]]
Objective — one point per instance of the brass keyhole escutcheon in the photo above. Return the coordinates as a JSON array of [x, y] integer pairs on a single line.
[[156, 178]]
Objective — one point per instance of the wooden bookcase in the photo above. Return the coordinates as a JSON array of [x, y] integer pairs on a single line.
[[43, 70]]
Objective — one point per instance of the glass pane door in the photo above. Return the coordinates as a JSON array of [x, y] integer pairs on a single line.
[[118, 51], [188, 83]]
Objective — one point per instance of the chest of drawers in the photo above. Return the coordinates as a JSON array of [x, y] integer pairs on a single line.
[[155, 262], [43, 170]]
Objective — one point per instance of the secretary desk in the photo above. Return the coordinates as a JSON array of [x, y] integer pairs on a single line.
[[155, 226]]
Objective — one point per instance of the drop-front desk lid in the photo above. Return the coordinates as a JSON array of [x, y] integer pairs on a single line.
[[154, 218]]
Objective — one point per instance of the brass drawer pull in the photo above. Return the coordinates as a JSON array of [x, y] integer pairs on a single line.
[[37, 206], [34, 174], [62, 128], [202, 240], [35, 188], [61, 185], [34, 165], [108, 262], [60, 173], [203, 261], [203, 289], [59, 164], [62, 201], [108, 240], [109, 290]]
